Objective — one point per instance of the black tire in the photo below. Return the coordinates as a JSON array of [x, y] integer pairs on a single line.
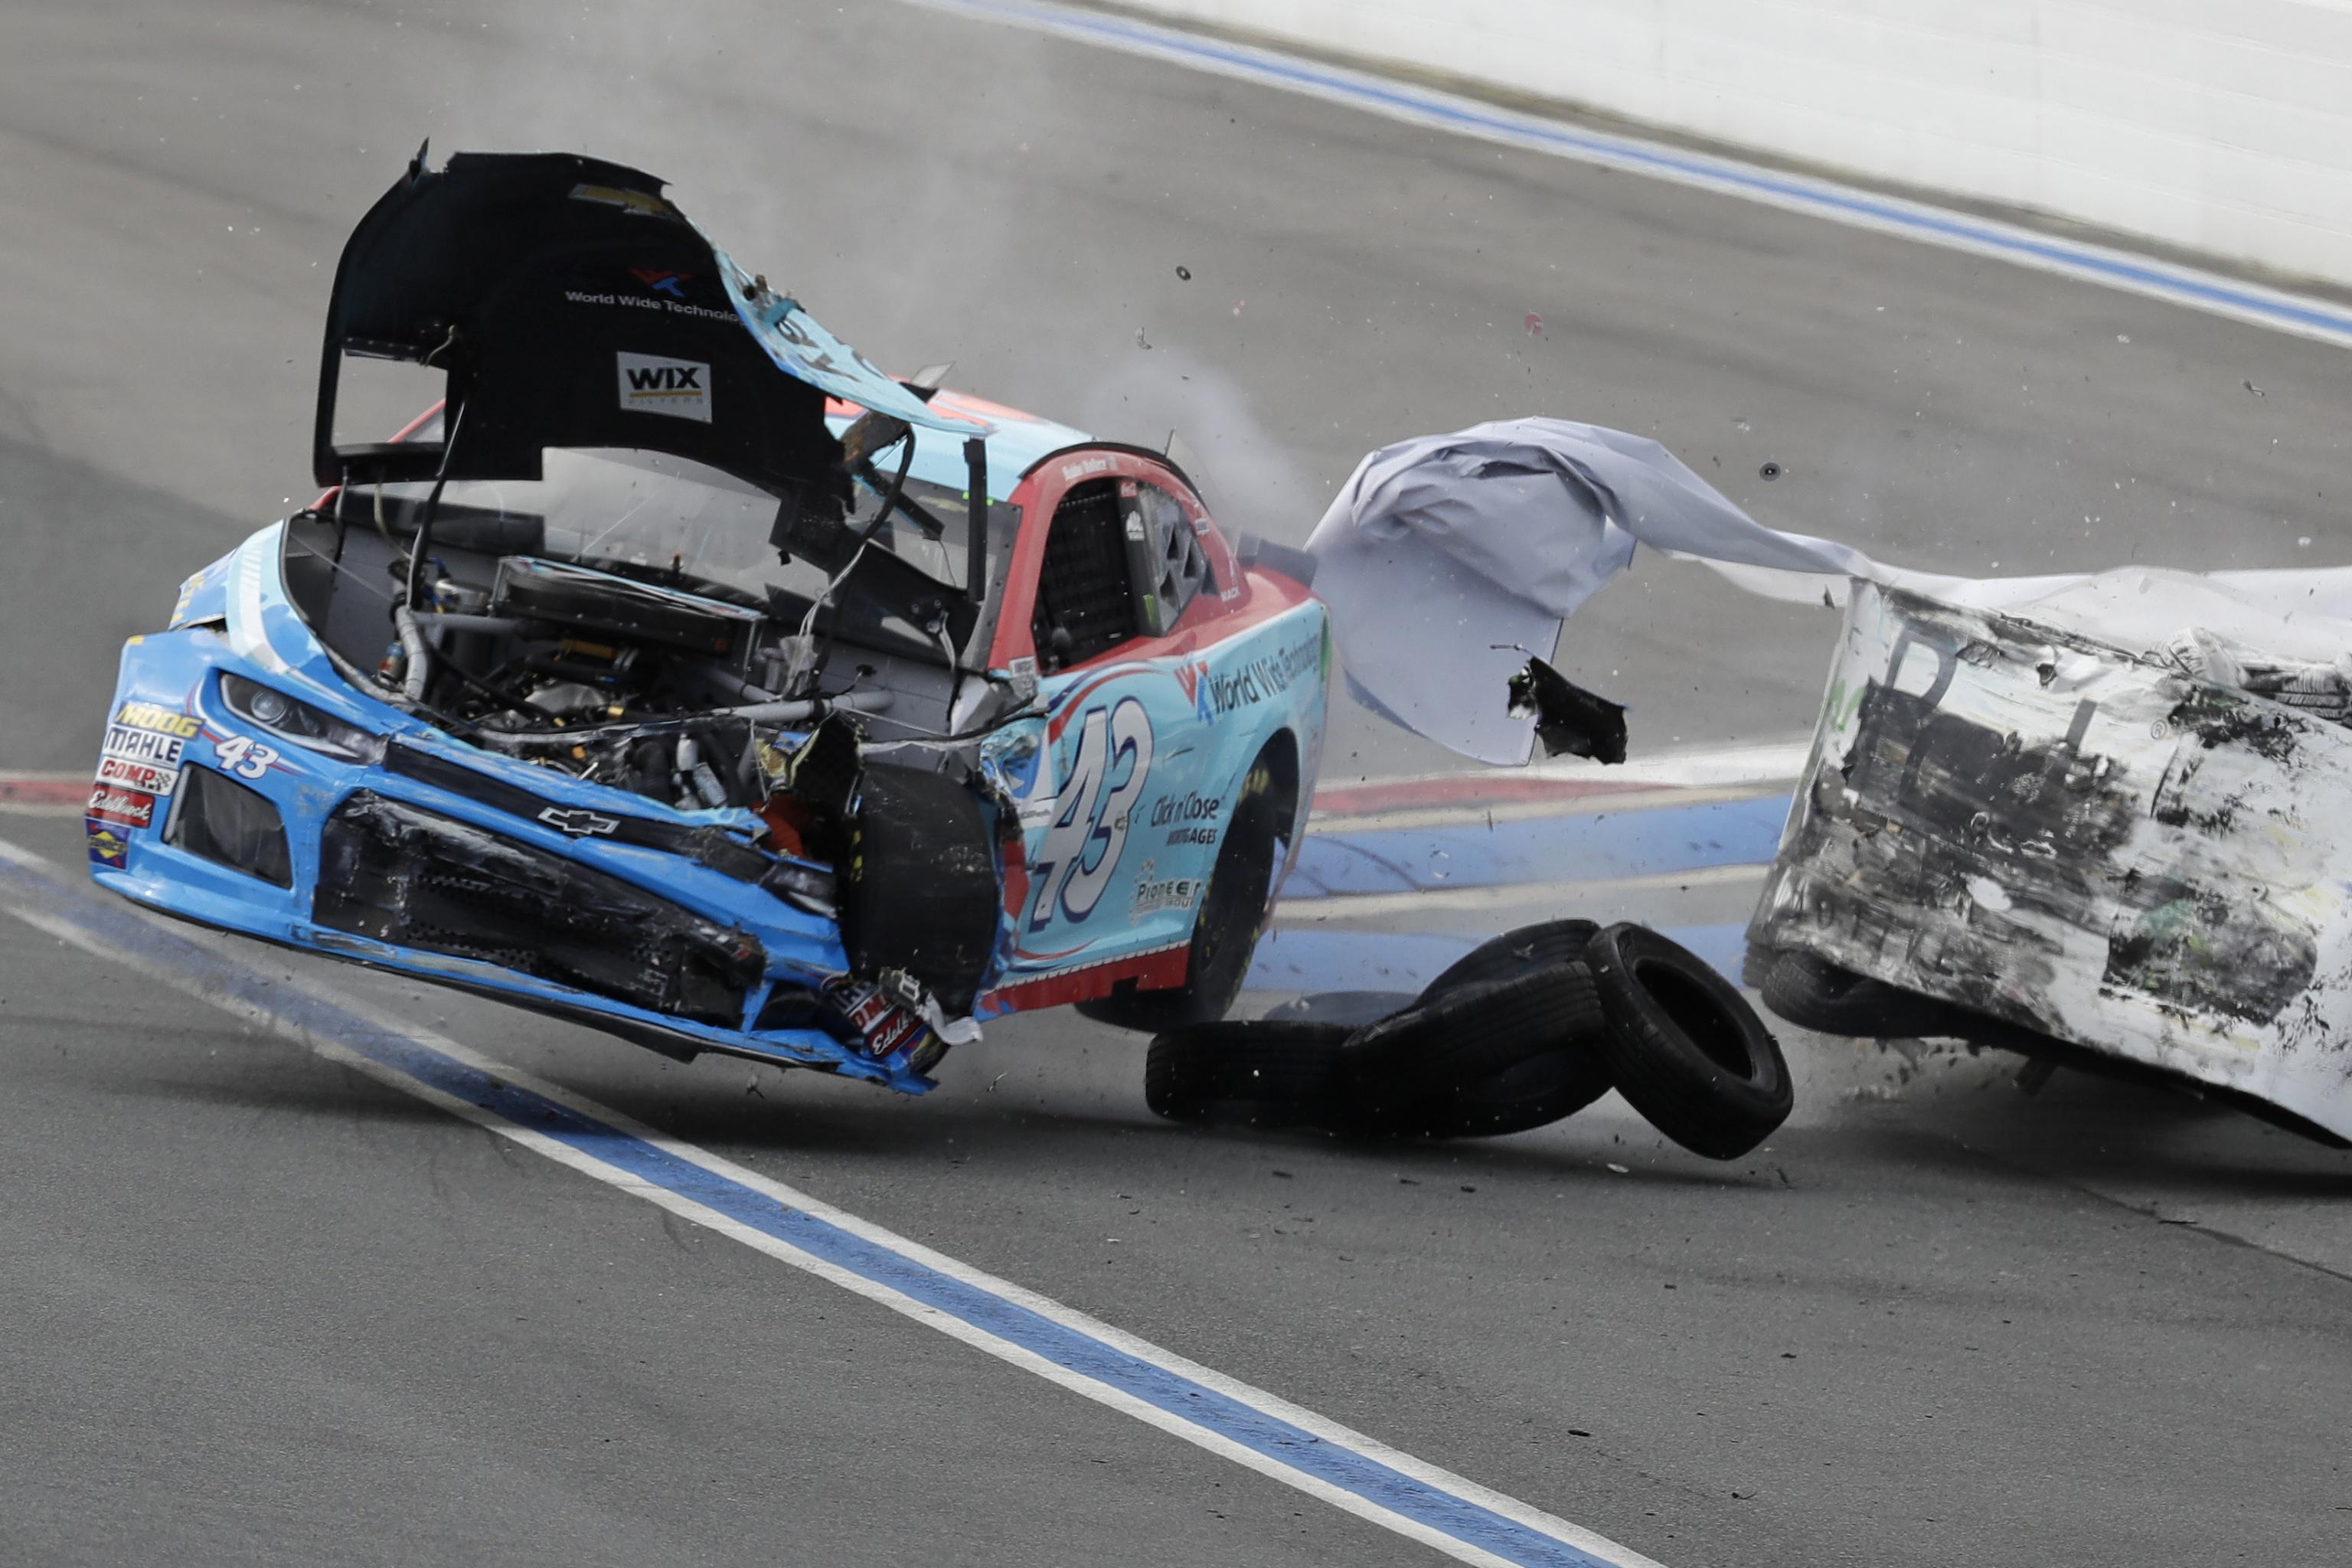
[[1401, 1074], [1537, 1092], [1501, 957], [1685, 1048], [1265, 1074], [1541, 1090], [920, 887], [1224, 931], [1814, 994]]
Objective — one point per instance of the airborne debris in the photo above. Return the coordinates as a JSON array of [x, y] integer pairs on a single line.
[[1184, 274], [1568, 718], [1534, 324]]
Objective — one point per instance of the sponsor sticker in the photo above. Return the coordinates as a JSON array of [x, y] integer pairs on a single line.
[[107, 847], [122, 807], [678, 387], [145, 777], [665, 305], [875, 1014], [1255, 680], [1192, 678], [158, 720], [1073, 472], [126, 744], [1153, 894]]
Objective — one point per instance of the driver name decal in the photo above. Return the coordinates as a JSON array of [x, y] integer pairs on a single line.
[[678, 387]]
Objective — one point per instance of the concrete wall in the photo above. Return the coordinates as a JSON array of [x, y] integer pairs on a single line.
[[2221, 125]]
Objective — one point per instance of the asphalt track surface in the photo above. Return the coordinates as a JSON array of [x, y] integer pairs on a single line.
[[262, 1307]]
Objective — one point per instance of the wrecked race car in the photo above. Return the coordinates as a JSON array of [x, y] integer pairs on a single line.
[[2031, 828], [682, 675]]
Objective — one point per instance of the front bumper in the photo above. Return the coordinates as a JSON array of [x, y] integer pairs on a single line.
[[669, 929]]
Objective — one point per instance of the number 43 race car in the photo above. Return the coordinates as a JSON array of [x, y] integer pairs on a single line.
[[681, 674]]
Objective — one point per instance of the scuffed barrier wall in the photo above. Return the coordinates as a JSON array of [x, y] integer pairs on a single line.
[[2081, 843], [2221, 125]]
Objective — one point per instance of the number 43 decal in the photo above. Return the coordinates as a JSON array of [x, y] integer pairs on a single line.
[[239, 756], [1088, 827]]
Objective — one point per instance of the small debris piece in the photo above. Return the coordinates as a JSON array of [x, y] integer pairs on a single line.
[[2257, 390], [1768, 471], [1619, 1170], [1184, 273], [1534, 324], [1568, 718]]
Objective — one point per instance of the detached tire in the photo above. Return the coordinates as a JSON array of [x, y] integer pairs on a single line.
[[1685, 1048], [1403, 1073], [1270, 1073], [1537, 1092], [1541, 1090], [1516, 951]]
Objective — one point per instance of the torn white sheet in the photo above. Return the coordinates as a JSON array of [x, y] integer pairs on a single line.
[[1444, 556]]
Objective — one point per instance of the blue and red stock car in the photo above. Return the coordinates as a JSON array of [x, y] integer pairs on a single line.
[[682, 674]]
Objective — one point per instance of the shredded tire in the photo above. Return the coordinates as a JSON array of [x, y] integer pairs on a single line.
[[1401, 1074], [1267, 1073], [1683, 1047]]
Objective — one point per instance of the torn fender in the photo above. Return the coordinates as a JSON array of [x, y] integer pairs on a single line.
[[2080, 840]]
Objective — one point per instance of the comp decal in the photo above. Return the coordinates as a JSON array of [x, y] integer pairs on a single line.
[[1091, 813], [147, 778]]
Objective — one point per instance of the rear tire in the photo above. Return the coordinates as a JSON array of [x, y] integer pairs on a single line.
[[1225, 928], [1685, 1048], [1814, 994]]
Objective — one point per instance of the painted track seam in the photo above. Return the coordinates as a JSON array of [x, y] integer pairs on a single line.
[[1249, 1425]]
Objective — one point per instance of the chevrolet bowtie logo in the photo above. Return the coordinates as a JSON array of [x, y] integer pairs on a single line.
[[578, 822]]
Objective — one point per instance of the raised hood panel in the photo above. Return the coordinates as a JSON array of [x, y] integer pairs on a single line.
[[571, 304]]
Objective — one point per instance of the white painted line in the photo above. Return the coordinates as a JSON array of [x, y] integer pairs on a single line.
[[2197, 289], [1508, 896], [1258, 1430]]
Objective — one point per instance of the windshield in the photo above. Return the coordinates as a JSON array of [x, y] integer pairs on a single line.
[[611, 507]]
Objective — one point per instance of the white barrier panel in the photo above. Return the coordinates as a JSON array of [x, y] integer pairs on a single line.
[[2224, 126]]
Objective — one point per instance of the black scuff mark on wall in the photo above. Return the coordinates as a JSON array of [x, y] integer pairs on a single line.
[[2200, 947]]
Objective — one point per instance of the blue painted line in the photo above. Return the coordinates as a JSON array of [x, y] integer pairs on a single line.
[[1007, 1320], [2302, 315], [1308, 958], [1583, 848]]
